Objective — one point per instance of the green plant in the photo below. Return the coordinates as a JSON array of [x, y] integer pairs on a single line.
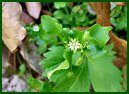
[[73, 16], [22, 69], [119, 18], [34, 84], [74, 60]]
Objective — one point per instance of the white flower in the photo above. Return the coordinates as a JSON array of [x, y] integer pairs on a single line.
[[36, 28], [74, 45]]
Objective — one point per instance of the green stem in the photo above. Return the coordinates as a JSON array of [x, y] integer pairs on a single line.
[[66, 11]]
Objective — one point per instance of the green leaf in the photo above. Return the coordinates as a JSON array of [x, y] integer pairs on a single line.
[[85, 36], [84, 5], [121, 22], [119, 17], [75, 9], [100, 33], [47, 87], [59, 5], [22, 69], [77, 58], [104, 76], [76, 34], [50, 24], [67, 19], [34, 84], [42, 48], [53, 58], [68, 54], [80, 18], [78, 14], [116, 11], [50, 38], [63, 65], [42, 45], [58, 14], [75, 80]]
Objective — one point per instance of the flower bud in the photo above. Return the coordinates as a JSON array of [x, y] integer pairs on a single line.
[[77, 59], [86, 36]]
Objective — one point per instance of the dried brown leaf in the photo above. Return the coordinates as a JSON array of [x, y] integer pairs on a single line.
[[13, 84], [34, 9], [45, 12], [12, 30], [5, 59], [121, 3], [26, 19], [28, 52]]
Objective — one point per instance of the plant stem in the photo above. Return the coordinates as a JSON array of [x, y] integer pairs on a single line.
[[66, 11]]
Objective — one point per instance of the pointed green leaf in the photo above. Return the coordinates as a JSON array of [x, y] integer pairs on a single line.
[[67, 19], [77, 58], [104, 76], [50, 24], [75, 80], [68, 54], [59, 5], [63, 65], [100, 33], [58, 14], [34, 84], [53, 58], [116, 11], [22, 69]]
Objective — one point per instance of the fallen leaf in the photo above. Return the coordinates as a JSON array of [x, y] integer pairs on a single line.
[[45, 12], [121, 3], [3, 3], [5, 59], [28, 52], [4, 82], [12, 30], [13, 84], [26, 19], [34, 9]]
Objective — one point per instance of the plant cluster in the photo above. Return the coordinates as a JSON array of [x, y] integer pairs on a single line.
[[69, 16], [119, 18], [73, 59]]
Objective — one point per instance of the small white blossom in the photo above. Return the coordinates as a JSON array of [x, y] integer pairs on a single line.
[[74, 45], [36, 28]]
